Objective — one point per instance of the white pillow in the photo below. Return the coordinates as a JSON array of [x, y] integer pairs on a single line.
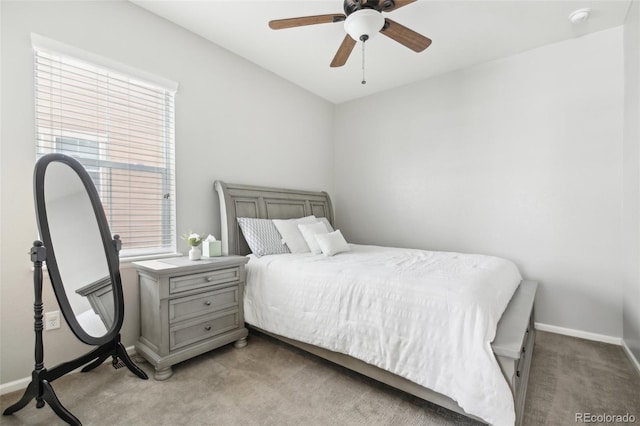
[[327, 224], [332, 243], [291, 235], [309, 233]]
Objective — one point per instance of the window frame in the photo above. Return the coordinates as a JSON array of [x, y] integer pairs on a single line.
[[102, 162]]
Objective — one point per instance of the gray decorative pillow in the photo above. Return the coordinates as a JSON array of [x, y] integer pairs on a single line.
[[262, 236]]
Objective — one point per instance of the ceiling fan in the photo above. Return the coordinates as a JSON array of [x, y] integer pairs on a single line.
[[362, 20]]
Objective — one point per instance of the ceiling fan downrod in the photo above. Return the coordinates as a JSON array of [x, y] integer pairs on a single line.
[[363, 38]]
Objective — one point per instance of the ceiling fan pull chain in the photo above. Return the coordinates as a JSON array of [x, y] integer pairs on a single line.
[[364, 38]]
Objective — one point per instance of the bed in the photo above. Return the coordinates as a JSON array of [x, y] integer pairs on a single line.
[[509, 353]]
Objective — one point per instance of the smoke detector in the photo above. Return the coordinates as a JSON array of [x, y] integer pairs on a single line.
[[579, 16]]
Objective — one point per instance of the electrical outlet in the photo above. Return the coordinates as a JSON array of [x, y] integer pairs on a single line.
[[52, 320]]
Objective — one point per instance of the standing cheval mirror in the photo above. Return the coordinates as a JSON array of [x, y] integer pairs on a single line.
[[83, 264]]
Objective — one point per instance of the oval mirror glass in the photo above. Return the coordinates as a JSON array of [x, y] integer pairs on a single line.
[[80, 251]]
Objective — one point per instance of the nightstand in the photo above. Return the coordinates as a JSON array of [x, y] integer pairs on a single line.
[[188, 308]]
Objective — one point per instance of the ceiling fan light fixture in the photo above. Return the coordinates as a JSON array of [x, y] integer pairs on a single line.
[[363, 22]]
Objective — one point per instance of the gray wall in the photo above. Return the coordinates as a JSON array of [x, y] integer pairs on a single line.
[[631, 309], [234, 121], [519, 157]]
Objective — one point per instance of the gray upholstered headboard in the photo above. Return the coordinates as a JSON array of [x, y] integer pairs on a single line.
[[265, 203]]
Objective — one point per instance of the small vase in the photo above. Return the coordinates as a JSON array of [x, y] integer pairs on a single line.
[[195, 253]]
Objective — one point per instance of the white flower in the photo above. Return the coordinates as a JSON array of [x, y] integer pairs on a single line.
[[192, 239]]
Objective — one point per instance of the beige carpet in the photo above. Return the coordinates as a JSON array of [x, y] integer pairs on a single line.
[[270, 383]]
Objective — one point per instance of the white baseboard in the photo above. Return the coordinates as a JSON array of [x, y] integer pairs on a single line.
[[15, 385], [579, 333], [592, 336], [631, 357], [20, 384]]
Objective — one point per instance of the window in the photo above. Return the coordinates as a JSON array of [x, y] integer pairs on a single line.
[[121, 128], [79, 148]]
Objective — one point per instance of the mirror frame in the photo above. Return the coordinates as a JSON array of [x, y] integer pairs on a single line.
[[108, 243]]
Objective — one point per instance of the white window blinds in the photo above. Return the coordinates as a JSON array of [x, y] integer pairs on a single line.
[[122, 130]]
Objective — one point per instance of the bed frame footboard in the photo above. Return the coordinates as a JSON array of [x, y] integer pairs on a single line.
[[513, 345]]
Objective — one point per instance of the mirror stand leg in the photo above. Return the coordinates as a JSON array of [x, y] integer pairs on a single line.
[[50, 397], [30, 393], [121, 352], [40, 389]]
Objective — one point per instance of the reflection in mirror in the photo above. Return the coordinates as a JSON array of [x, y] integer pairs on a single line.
[[80, 254]]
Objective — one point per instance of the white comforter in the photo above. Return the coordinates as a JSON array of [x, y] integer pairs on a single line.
[[426, 316]]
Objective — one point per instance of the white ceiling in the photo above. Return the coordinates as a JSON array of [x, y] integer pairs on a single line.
[[464, 33]]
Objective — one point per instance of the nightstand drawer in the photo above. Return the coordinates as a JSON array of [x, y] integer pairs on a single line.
[[184, 308], [193, 331], [194, 281]]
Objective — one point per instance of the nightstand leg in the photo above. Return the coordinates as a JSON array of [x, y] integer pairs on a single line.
[[240, 343], [163, 373]]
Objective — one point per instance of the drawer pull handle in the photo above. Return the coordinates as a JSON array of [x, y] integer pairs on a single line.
[[209, 304], [209, 279], [209, 328]]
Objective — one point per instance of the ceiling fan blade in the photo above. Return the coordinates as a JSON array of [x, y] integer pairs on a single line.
[[343, 52], [398, 4], [405, 36], [280, 24]]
